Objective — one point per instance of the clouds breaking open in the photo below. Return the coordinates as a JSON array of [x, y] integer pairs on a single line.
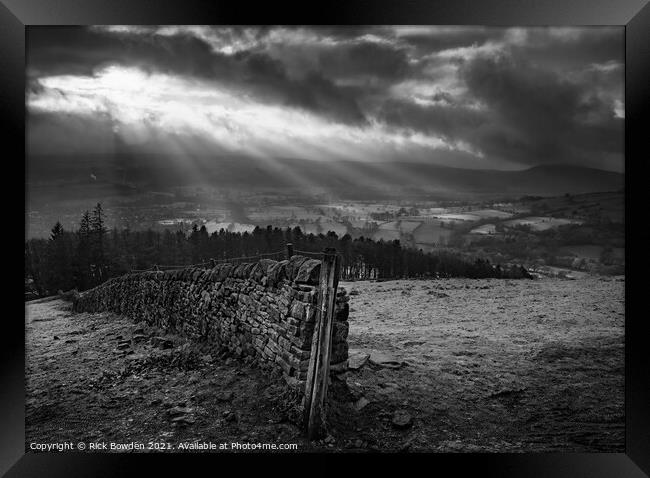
[[505, 98]]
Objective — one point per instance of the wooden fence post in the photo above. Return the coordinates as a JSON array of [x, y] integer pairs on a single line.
[[289, 250], [321, 347]]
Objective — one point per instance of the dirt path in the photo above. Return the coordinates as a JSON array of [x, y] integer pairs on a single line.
[[82, 385], [481, 365]]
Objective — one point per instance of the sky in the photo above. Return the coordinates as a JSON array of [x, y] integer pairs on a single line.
[[470, 97]]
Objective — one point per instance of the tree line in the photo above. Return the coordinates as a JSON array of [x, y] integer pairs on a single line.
[[90, 255]]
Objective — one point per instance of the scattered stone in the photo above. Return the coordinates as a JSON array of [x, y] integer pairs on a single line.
[[177, 411], [56, 338], [293, 382], [451, 445], [162, 343], [506, 392], [184, 420], [133, 357], [382, 359], [388, 385], [229, 416], [357, 359], [412, 343], [402, 420], [225, 396], [361, 404], [139, 337]]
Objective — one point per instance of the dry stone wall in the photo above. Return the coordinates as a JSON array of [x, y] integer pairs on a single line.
[[264, 309]]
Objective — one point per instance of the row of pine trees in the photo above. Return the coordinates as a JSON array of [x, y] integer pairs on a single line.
[[70, 260], [87, 257]]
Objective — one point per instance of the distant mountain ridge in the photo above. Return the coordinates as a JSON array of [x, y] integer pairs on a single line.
[[344, 179]]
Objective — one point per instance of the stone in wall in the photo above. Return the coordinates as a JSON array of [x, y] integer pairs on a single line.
[[264, 309]]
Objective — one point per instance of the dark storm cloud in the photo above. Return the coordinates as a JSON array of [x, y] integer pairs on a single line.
[[268, 78], [447, 119], [526, 96], [445, 38], [538, 116], [530, 116], [574, 48], [80, 51], [365, 59]]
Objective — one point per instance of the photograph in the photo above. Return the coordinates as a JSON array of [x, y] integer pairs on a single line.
[[336, 239]]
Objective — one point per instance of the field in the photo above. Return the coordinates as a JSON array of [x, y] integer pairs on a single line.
[[484, 229], [430, 232], [492, 213], [591, 252], [386, 235], [496, 365], [610, 205], [393, 230], [477, 365], [541, 223], [405, 227]]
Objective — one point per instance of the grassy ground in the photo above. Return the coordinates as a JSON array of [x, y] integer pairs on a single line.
[[479, 365], [496, 365], [82, 387]]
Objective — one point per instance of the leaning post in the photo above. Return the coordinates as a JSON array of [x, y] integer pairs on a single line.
[[289, 250], [319, 361]]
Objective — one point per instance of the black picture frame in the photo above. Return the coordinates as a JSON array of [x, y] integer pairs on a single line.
[[15, 15]]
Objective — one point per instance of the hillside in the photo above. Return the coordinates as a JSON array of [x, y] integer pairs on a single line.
[[341, 179], [475, 365]]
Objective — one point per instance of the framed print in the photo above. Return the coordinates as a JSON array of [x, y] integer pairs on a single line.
[[369, 229]]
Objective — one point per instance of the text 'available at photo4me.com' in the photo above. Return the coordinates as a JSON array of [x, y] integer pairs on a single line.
[[196, 446]]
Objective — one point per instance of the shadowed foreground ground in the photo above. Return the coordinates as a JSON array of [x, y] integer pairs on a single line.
[[472, 365]]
